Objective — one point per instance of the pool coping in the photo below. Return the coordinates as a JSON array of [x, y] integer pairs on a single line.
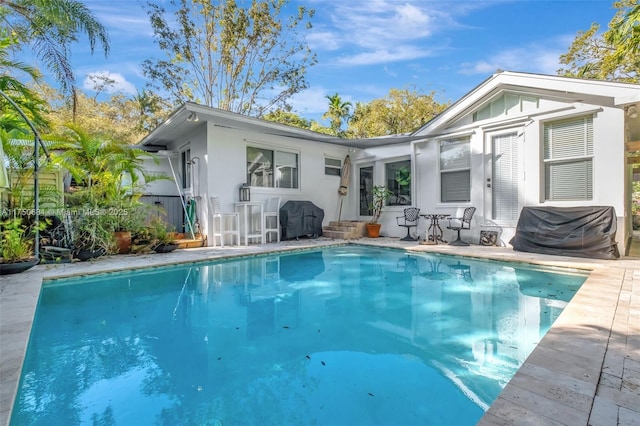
[[586, 370]]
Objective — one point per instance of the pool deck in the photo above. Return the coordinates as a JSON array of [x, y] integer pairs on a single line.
[[585, 371]]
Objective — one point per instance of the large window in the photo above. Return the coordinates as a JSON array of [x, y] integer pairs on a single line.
[[398, 178], [269, 168], [568, 159], [455, 170]]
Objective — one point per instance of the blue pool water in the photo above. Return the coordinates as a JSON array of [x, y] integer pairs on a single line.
[[340, 336]]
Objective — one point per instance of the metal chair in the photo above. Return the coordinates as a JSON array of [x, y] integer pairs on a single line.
[[409, 220], [219, 221], [460, 223], [271, 214]]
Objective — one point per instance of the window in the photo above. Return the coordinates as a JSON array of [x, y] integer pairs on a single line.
[[272, 169], [185, 162], [568, 159], [398, 178], [366, 190], [455, 170], [332, 166]]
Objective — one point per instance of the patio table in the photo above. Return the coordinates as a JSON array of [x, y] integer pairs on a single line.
[[434, 232], [248, 228]]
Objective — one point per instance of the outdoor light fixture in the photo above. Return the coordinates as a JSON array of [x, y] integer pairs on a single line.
[[245, 192], [632, 112], [193, 117]]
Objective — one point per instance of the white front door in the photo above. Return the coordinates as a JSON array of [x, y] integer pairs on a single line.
[[504, 178]]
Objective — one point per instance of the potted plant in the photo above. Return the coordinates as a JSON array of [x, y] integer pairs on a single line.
[[16, 247], [162, 239], [380, 195], [93, 234]]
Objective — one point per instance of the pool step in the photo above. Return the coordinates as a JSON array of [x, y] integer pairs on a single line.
[[345, 229]]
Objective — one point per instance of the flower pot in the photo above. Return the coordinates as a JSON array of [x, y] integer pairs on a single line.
[[165, 248], [85, 254], [373, 230], [123, 241], [19, 266]]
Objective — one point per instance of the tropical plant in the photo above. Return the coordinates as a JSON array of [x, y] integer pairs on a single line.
[[338, 112], [241, 59], [160, 233], [612, 55], [108, 173], [50, 26], [93, 232], [20, 161], [380, 195], [16, 243]]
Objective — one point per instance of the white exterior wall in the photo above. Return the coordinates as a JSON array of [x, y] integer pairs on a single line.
[[378, 157], [226, 167], [608, 168]]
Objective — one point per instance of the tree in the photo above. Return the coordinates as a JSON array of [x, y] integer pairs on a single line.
[[401, 111], [287, 117], [338, 112], [123, 117], [241, 59], [27, 99], [613, 55], [624, 34], [50, 26]]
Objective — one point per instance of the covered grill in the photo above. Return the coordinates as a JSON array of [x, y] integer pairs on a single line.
[[301, 219]]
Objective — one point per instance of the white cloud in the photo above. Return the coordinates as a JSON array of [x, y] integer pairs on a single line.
[[377, 31], [119, 85], [537, 58], [312, 101], [401, 53], [323, 40]]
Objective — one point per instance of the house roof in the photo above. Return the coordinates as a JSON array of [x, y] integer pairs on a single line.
[[183, 120], [569, 89]]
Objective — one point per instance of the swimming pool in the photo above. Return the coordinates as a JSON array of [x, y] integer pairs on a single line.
[[344, 335]]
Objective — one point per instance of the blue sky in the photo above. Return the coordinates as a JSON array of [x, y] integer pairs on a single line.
[[366, 47]]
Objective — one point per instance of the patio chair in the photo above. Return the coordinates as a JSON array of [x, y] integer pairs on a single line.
[[271, 218], [220, 221], [409, 220], [460, 223]]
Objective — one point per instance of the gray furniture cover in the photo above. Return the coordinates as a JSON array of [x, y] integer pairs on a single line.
[[300, 219], [588, 231]]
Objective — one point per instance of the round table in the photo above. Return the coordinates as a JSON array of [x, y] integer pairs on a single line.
[[434, 232]]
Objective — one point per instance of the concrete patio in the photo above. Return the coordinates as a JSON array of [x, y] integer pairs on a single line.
[[585, 371]]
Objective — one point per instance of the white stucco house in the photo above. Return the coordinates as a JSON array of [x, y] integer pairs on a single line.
[[515, 140]]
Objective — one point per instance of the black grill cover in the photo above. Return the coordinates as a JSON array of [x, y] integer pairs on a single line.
[[300, 219], [568, 231]]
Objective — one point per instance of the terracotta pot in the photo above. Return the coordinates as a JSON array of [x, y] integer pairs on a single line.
[[373, 229], [123, 241], [16, 267]]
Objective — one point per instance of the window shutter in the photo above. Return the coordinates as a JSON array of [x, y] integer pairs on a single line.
[[568, 151], [505, 177], [455, 186]]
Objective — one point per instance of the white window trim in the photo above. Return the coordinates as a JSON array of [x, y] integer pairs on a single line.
[[339, 168], [400, 207], [274, 149], [460, 136], [545, 161]]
